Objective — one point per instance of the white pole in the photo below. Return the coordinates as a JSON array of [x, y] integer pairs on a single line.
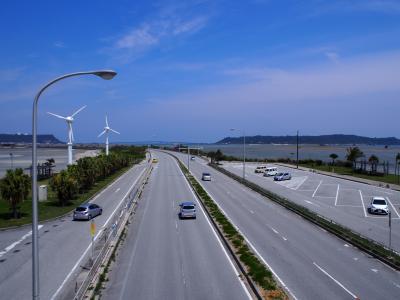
[[107, 144], [70, 153]]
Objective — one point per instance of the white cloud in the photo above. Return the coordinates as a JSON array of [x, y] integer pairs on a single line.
[[59, 44]]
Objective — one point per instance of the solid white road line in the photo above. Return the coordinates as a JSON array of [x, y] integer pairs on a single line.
[[336, 281], [95, 238], [394, 208], [362, 201], [10, 247], [337, 194], [317, 188], [117, 190], [250, 244], [215, 234]]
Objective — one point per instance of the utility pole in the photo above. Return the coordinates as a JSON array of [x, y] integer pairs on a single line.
[[390, 229], [297, 150]]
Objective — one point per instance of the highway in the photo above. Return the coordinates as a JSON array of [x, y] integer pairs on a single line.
[[163, 257], [340, 200], [310, 262], [63, 247]]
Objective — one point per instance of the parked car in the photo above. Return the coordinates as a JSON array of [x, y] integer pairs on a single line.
[[87, 211], [260, 169], [282, 176], [155, 160], [206, 177], [192, 158], [378, 206], [270, 171], [187, 210]]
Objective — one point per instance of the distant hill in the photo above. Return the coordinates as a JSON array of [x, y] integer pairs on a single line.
[[332, 139], [27, 139]]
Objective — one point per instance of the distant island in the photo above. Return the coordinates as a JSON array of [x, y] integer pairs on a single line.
[[27, 139], [332, 139]]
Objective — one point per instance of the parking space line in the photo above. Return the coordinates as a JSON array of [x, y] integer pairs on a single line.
[[394, 208], [336, 281], [305, 190], [304, 180], [349, 205], [320, 182], [337, 194], [324, 197], [362, 201]]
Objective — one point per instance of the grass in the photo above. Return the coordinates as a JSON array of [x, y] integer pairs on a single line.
[[391, 178], [50, 209], [258, 272]]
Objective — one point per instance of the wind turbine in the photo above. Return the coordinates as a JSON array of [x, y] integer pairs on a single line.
[[70, 120], [106, 131]]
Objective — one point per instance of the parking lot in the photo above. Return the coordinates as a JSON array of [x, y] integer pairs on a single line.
[[340, 200]]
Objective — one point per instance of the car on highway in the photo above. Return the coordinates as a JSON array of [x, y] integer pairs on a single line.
[[192, 158], [282, 176], [87, 211], [378, 206], [270, 171], [155, 160], [260, 169], [187, 210], [206, 177]]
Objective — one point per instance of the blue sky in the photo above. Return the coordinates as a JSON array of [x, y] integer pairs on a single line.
[[190, 70]]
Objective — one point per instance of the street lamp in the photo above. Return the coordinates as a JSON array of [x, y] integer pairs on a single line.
[[12, 163], [244, 152], [105, 74]]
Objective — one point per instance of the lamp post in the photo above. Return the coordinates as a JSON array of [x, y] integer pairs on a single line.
[[12, 162], [244, 152], [105, 74]]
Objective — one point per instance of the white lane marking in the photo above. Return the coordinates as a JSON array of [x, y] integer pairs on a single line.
[[215, 234], [349, 205], [304, 180], [346, 245], [274, 230], [362, 201], [355, 258], [336, 281], [117, 190], [337, 194], [12, 246], [95, 238], [394, 208], [374, 270], [312, 203], [305, 190], [251, 211], [251, 245], [317, 188], [285, 239]]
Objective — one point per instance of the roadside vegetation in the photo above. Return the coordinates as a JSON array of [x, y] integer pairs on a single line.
[[254, 267], [66, 189]]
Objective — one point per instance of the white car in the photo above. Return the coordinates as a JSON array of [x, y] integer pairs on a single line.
[[282, 176], [206, 177], [260, 169], [378, 206], [271, 171]]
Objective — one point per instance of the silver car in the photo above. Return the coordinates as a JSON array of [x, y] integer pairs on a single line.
[[282, 176], [187, 210], [378, 206], [87, 211], [206, 177]]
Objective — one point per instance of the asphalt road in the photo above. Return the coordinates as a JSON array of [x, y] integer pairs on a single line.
[[340, 200], [63, 247], [310, 262], [167, 258]]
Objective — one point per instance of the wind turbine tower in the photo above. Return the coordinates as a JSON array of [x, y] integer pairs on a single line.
[[69, 120], [106, 131]]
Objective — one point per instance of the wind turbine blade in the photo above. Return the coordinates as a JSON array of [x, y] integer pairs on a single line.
[[75, 113], [114, 131], [101, 133], [58, 116], [106, 121]]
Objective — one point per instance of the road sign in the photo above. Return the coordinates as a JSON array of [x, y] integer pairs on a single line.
[[92, 228]]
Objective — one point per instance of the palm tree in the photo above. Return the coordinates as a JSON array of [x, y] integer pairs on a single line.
[[353, 153], [333, 156], [65, 185], [373, 160], [15, 187]]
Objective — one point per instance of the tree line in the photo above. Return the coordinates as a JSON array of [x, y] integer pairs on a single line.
[[76, 179]]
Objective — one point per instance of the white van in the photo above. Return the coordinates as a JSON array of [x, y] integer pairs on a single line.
[[260, 169], [271, 171]]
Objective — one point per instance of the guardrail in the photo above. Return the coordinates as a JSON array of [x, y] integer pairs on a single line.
[[365, 244], [105, 243]]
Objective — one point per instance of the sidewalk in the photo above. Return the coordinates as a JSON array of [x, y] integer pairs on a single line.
[[346, 177]]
